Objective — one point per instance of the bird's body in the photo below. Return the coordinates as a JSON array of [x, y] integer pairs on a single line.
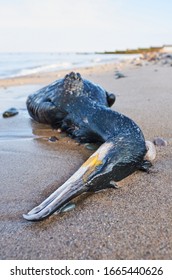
[[81, 108]]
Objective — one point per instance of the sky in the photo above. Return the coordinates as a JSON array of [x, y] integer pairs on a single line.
[[83, 25]]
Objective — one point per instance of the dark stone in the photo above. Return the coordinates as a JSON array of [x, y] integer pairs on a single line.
[[10, 113], [158, 141]]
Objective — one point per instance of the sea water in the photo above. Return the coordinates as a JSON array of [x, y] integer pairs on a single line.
[[21, 64]]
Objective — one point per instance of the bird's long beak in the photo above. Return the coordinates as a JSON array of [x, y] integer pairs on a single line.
[[74, 186], [70, 189]]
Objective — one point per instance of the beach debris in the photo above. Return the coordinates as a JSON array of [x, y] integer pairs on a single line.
[[10, 113], [68, 207], [53, 139], [151, 151], [157, 58], [119, 75], [160, 142]]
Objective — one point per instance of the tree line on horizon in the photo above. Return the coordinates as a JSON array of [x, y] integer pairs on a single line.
[[134, 51]]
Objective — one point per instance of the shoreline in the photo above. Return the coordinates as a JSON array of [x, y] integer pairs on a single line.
[[48, 77], [26, 65], [132, 222]]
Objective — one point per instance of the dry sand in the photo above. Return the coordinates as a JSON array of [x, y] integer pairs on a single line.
[[133, 222]]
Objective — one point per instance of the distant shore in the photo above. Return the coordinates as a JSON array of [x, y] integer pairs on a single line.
[[162, 49], [134, 51]]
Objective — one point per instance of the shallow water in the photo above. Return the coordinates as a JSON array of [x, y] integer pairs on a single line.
[[18, 126], [16, 96]]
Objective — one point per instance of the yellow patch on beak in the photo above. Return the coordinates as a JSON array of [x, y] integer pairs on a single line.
[[91, 163]]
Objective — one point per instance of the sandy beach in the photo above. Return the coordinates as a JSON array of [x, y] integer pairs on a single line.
[[132, 222]]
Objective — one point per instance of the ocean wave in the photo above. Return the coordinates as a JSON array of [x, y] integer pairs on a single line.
[[41, 69], [17, 64]]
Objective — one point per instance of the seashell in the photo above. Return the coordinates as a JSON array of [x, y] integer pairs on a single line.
[[151, 151]]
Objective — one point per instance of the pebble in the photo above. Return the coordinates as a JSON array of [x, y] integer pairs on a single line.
[[68, 207], [91, 147], [119, 75], [160, 142], [139, 64], [10, 113], [53, 139]]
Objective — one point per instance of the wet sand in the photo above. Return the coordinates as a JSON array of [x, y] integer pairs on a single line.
[[132, 222]]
